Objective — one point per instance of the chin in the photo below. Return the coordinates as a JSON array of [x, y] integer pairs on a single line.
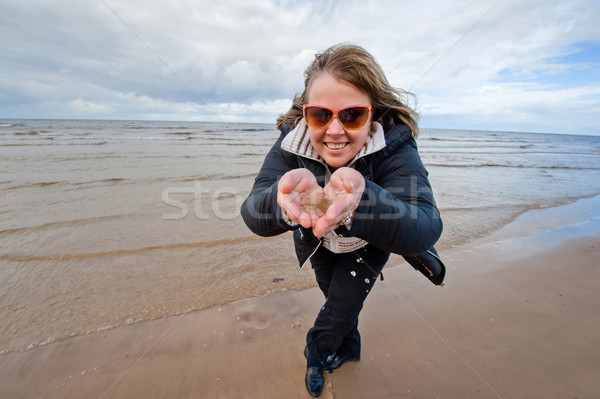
[[336, 163]]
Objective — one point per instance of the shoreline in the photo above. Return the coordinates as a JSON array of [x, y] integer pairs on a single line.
[[517, 318]]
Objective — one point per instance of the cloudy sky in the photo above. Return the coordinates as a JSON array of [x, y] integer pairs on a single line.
[[512, 65]]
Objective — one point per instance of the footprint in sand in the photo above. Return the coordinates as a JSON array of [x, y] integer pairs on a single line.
[[255, 320], [329, 391]]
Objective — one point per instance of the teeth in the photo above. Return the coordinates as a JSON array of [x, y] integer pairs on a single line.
[[336, 146]]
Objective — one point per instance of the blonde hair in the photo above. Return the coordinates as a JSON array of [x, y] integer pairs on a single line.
[[355, 65]]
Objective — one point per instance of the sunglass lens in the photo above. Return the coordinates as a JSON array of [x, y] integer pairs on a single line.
[[318, 117], [354, 117]]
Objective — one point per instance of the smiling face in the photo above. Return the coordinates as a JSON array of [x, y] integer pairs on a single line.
[[336, 145]]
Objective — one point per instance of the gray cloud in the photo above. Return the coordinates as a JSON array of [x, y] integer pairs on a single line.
[[96, 59]]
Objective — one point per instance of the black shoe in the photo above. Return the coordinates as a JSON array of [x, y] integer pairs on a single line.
[[335, 362], [314, 375], [314, 381]]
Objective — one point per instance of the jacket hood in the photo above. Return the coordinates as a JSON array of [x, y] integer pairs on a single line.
[[396, 137]]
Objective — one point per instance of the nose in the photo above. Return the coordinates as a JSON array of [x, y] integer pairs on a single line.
[[335, 127]]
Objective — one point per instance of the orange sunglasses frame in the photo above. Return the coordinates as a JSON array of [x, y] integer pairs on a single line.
[[335, 114]]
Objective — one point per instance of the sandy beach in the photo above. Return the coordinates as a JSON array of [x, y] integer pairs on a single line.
[[517, 318]]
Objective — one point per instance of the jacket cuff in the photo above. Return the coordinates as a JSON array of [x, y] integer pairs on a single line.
[[287, 219]]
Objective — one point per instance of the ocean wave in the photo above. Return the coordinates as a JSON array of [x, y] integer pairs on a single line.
[[60, 224], [17, 124], [85, 140], [492, 148], [88, 139], [123, 252], [29, 133], [154, 127], [211, 177], [499, 165], [253, 130], [477, 208], [64, 183], [35, 185], [179, 133], [124, 181], [480, 141], [250, 154], [465, 152], [199, 178], [51, 141]]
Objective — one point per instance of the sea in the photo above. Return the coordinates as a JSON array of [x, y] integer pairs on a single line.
[[109, 223]]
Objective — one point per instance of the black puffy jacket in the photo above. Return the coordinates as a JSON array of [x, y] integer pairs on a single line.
[[397, 212]]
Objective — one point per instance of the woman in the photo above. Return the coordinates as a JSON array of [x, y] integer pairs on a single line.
[[345, 175]]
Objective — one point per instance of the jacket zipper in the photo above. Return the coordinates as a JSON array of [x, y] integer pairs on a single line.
[[312, 253]]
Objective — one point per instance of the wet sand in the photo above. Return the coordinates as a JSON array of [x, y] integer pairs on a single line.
[[519, 317]]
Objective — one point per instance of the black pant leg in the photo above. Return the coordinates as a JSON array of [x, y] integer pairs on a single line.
[[352, 279], [351, 343], [323, 262]]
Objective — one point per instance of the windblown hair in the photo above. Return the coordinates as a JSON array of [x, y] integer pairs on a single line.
[[355, 65]]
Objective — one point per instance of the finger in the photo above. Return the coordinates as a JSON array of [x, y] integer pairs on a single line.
[[296, 214], [305, 216], [306, 220], [306, 224], [347, 179], [296, 179], [348, 186], [323, 227], [293, 210], [288, 183], [319, 229], [329, 221], [338, 209]]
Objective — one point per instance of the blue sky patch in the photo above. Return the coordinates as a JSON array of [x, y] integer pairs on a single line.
[[580, 67]]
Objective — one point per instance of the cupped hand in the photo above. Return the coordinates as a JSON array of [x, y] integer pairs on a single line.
[[301, 197], [344, 192]]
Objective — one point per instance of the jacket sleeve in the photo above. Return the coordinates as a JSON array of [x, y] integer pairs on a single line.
[[397, 211], [260, 210]]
